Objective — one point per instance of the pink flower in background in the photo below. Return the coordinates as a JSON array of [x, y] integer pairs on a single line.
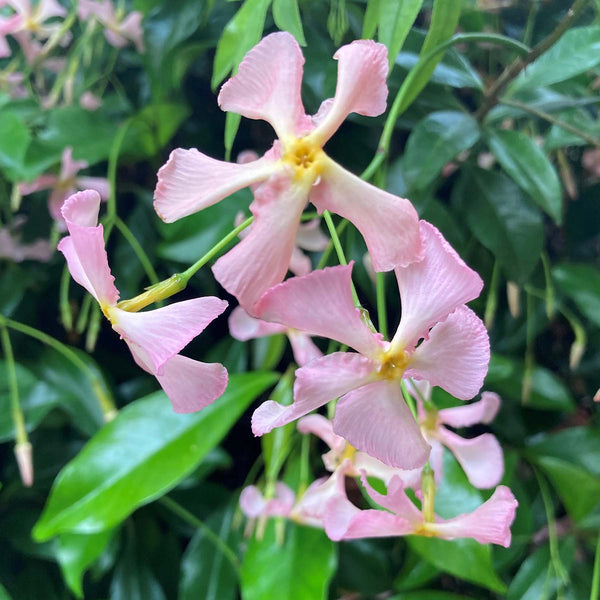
[[481, 457], [89, 101], [119, 29], [13, 249], [267, 86], [371, 413], [488, 524], [243, 327], [65, 184], [154, 337]]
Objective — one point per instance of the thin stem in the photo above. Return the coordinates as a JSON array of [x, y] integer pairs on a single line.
[[549, 295], [194, 521], [16, 411], [595, 588], [65, 309], [327, 252], [492, 299], [409, 400], [381, 306], [137, 248]]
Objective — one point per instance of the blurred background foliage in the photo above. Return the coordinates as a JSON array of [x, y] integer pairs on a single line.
[[492, 131]]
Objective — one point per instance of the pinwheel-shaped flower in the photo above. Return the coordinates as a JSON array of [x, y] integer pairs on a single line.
[[371, 413], [156, 336], [296, 168]]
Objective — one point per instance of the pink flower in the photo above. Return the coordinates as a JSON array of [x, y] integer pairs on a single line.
[[156, 336], [488, 524], [243, 327], [481, 457], [295, 169], [65, 184], [119, 30], [371, 413], [12, 249]]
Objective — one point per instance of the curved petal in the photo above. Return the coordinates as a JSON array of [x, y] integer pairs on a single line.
[[253, 503], [481, 458], [456, 355], [100, 184], [376, 420], [163, 332], [303, 347], [361, 87], [261, 259], [311, 505], [191, 181], [317, 383], [389, 224], [320, 303], [311, 237], [395, 500], [192, 385], [321, 427], [267, 84], [300, 264], [432, 288], [243, 327], [482, 411], [131, 28], [488, 524], [43, 182], [373, 467]]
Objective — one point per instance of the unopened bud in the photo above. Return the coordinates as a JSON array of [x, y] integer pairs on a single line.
[[513, 294], [24, 456], [597, 396], [154, 293], [576, 354], [428, 491]]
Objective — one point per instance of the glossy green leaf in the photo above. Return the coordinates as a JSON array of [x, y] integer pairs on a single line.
[[76, 552], [580, 283], [370, 19], [286, 15], [528, 165], [429, 595], [300, 568], [14, 141], [558, 137], [140, 456], [503, 219], [575, 52], [434, 142], [365, 565], [396, 17]]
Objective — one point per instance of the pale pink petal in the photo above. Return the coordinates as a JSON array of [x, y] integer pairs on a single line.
[[389, 224], [300, 264], [361, 87], [488, 524], [261, 259], [5, 50], [253, 503], [482, 411], [317, 383], [481, 458], [23, 7], [311, 237], [243, 327], [104, 11], [432, 288], [84, 247], [190, 384], [69, 167], [131, 28], [191, 181], [47, 9], [376, 420], [267, 84], [100, 184], [320, 303], [303, 347], [373, 467], [89, 101], [395, 500], [163, 332], [456, 355], [323, 428], [43, 182]]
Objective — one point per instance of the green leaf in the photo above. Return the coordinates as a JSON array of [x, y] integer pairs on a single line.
[[370, 19], [3, 593], [429, 595], [14, 141], [575, 52], [287, 17], [548, 392], [503, 220], [581, 283], [76, 552], [559, 137], [396, 17], [529, 166], [434, 142], [240, 34], [300, 568], [205, 573], [140, 456]]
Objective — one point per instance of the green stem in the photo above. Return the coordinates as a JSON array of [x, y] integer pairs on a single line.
[[492, 299], [137, 248], [194, 521], [381, 306], [65, 309], [327, 252], [409, 400], [549, 295], [84, 313], [595, 587]]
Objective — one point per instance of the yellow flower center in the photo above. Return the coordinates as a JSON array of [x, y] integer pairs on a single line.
[[305, 157], [107, 312], [349, 452], [393, 363]]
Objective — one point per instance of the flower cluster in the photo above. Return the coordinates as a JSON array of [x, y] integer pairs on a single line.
[[385, 424]]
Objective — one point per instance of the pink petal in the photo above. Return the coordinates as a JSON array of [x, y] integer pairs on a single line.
[[243, 327], [389, 225], [482, 411], [373, 467], [253, 503], [488, 524], [267, 84], [376, 420], [131, 28], [43, 182], [481, 458], [361, 87], [84, 247], [190, 384], [456, 355], [100, 184], [191, 181], [303, 347], [311, 237], [69, 167], [432, 288], [163, 332], [323, 428], [300, 264], [320, 303], [317, 383], [395, 500], [261, 259], [47, 9]]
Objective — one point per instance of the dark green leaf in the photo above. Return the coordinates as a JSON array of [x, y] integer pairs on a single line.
[[14, 141], [365, 566], [139, 456], [434, 142], [287, 17], [558, 137], [429, 595], [396, 17], [581, 283], [300, 568], [529, 166], [3, 593]]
